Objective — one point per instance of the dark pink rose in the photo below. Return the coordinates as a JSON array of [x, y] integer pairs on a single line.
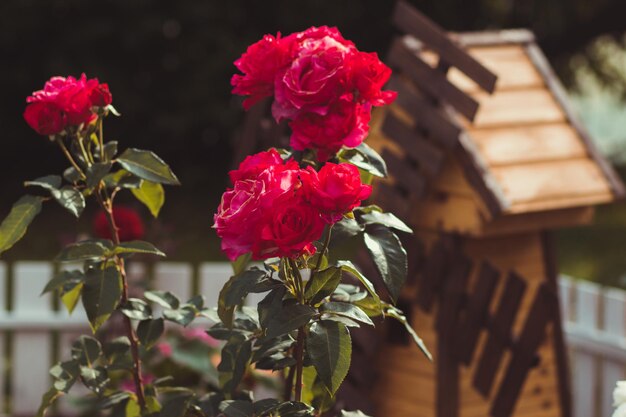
[[336, 190], [290, 230], [260, 64], [346, 124], [368, 75], [314, 80], [45, 118], [100, 96], [315, 33], [253, 165]]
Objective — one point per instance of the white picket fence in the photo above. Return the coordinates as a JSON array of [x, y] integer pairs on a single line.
[[35, 333]]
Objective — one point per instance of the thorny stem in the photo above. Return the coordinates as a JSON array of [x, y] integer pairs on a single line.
[[299, 354], [107, 206], [318, 264], [101, 139], [289, 383], [68, 155], [86, 155]]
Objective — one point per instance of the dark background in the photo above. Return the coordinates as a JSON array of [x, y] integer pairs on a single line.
[[168, 64]]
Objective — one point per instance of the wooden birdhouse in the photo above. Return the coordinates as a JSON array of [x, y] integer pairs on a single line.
[[486, 158]]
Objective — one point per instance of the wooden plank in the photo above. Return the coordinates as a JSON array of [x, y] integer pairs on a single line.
[[544, 181], [560, 203], [499, 333], [522, 144], [509, 62], [452, 295], [516, 107], [404, 174], [447, 390], [614, 323], [553, 219], [409, 20], [524, 354], [430, 120], [429, 80], [428, 157], [432, 276], [555, 86], [496, 37], [468, 330], [451, 213], [390, 198], [31, 349], [585, 364]]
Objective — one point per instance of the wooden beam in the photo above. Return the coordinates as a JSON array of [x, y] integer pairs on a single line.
[[409, 20], [553, 83], [404, 174], [431, 81], [431, 277], [498, 37]]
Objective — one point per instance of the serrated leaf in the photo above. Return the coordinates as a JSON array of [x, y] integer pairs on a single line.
[[110, 150], [96, 172], [237, 408], [397, 314], [374, 159], [163, 298], [101, 294], [62, 279], [95, 379], [70, 199], [70, 297], [136, 309], [49, 182], [348, 310], [122, 179], [355, 413], [270, 305], [236, 355], [386, 219], [148, 166], [330, 348], [151, 194], [71, 175], [346, 227], [86, 350], [235, 291], [349, 267], [289, 319], [83, 251], [149, 331], [183, 316], [137, 246], [322, 284], [176, 405], [14, 226], [389, 257]]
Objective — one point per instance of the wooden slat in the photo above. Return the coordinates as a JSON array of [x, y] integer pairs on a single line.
[[551, 80], [527, 143], [468, 330], [614, 323], [437, 125], [499, 333], [544, 181], [408, 19], [416, 145], [391, 199], [509, 62], [497, 37], [432, 82], [452, 295], [517, 107], [525, 350], [404, 174], [432, 276]]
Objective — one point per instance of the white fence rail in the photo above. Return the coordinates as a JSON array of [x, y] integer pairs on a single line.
[[35, 332]]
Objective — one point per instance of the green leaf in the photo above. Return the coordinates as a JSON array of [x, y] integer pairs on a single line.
[[237, 408], [386, 219], [14, 226], [148, 166], [149, 331], [397, 314], [83, 251], [349, 267], [47, 400], [117, 347], [176, 405], [369, 306], [389, 257], [96, 172], [235, 291], [122, 179], [355, 413], [151, 194], [132, 408], [346, 227], [101, 294], [271, 304], [71, 199], [322, 284], [330, 348], [374, 159], [86, 350], [114, 399], [163, 298], [70, 297], [136, 309], [289, 319], [183, 316], [110, 149], [49, 182], [236, 355], [96, 379], [71, 175], [241, 263], [346, 310], [62, 279], [137, 246]]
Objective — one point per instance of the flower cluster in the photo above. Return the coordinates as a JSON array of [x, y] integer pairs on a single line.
[[277, 209], [65, 102], [320, 82]]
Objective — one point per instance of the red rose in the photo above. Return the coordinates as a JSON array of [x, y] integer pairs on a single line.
[[290, 230], [238, 217], [313, 81], [368, 75], [314, 33], [45, 118], [128, 222], [253, 165], [260, 64], [100, 96], [336, 190], [346, 124]]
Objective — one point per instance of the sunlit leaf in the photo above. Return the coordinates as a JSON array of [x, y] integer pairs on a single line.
[[14, 226]]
